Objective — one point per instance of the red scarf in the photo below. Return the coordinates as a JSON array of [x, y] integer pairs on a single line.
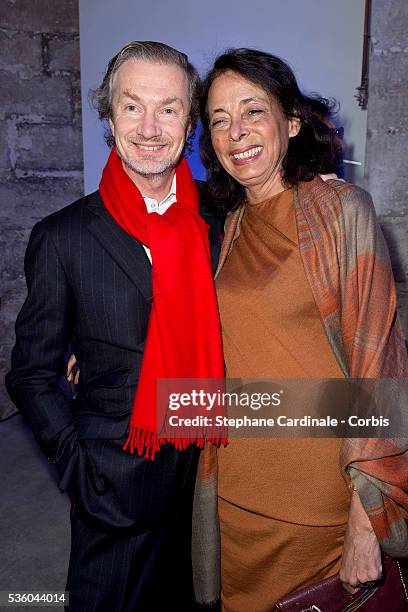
[[184, 337]]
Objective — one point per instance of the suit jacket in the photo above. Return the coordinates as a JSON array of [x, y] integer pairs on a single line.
[[89, 288]]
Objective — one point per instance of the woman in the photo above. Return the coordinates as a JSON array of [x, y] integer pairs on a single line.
[[305, 291]]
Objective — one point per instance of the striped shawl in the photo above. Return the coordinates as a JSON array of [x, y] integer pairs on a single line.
[[347, 266]]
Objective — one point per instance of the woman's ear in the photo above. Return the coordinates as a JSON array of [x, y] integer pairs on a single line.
[[294, 126]]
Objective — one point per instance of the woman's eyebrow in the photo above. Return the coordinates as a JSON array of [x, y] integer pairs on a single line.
[[243, 101], [218, 110]]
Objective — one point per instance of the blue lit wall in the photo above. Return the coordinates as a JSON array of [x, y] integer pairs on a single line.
[[321, 40]]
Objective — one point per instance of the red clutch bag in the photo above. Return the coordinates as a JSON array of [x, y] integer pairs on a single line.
[[329, 595]]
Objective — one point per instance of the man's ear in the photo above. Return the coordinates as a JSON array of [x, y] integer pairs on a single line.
[[294, 126], [187, 143], [112, 126]]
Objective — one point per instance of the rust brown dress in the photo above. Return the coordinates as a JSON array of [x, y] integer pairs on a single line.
[[283, 504]]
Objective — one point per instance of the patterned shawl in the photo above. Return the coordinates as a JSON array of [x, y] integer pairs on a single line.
[[347, 266]]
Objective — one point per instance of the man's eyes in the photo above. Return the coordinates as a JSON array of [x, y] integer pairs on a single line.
[[168, 111], [171, 113]]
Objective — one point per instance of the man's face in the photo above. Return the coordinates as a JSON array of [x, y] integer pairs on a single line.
[[150, 116]]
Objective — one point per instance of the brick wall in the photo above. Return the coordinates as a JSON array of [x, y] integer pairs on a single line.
[[387, 130], [40, 130]]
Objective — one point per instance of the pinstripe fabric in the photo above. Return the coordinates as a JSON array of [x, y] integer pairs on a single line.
[[89, 287], [121, 569]]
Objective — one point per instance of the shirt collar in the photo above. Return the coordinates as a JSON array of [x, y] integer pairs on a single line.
[[170, 195]]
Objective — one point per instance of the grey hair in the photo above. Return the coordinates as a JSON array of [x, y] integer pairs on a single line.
[[150, 51]]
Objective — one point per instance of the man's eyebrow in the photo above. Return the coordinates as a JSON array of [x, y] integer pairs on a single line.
[[136, 98], [130, 95], [171, 100]]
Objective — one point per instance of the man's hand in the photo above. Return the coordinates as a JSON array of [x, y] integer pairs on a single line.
[[361, 559], [72, 370]]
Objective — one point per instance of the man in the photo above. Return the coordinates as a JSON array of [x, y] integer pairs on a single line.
[[91, 285]]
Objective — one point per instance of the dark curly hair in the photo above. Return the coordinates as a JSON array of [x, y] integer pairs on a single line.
[[150, 51], [315, 150]]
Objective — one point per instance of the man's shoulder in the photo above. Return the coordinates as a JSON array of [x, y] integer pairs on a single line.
[[71, 215]]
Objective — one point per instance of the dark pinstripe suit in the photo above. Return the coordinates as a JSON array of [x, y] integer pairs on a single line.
[[89, 286]]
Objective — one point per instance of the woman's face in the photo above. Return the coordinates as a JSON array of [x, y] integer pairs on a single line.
[[249, 133]]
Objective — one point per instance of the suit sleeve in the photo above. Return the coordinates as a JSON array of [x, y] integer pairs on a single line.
[[43, 331]]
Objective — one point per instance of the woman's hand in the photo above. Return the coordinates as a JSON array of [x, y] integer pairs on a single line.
[[361, 559], [72, 370]]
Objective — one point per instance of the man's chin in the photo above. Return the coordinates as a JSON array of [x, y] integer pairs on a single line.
[[149, 167]]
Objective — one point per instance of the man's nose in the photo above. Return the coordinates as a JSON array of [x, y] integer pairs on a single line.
[[149, 126], [238, 129]]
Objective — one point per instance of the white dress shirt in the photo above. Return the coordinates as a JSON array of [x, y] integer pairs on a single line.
[[153, 205]]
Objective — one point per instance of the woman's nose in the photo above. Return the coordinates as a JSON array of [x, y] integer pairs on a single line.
[[238, 130]]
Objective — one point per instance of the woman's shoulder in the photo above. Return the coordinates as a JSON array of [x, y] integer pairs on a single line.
[[355, 203], [353, 198]]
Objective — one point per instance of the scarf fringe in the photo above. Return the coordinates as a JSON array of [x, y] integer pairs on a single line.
[[148, 443]]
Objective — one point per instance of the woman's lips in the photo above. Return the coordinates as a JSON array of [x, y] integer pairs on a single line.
[[244, 156]]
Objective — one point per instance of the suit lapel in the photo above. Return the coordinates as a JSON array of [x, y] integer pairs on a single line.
[[128, 252]]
